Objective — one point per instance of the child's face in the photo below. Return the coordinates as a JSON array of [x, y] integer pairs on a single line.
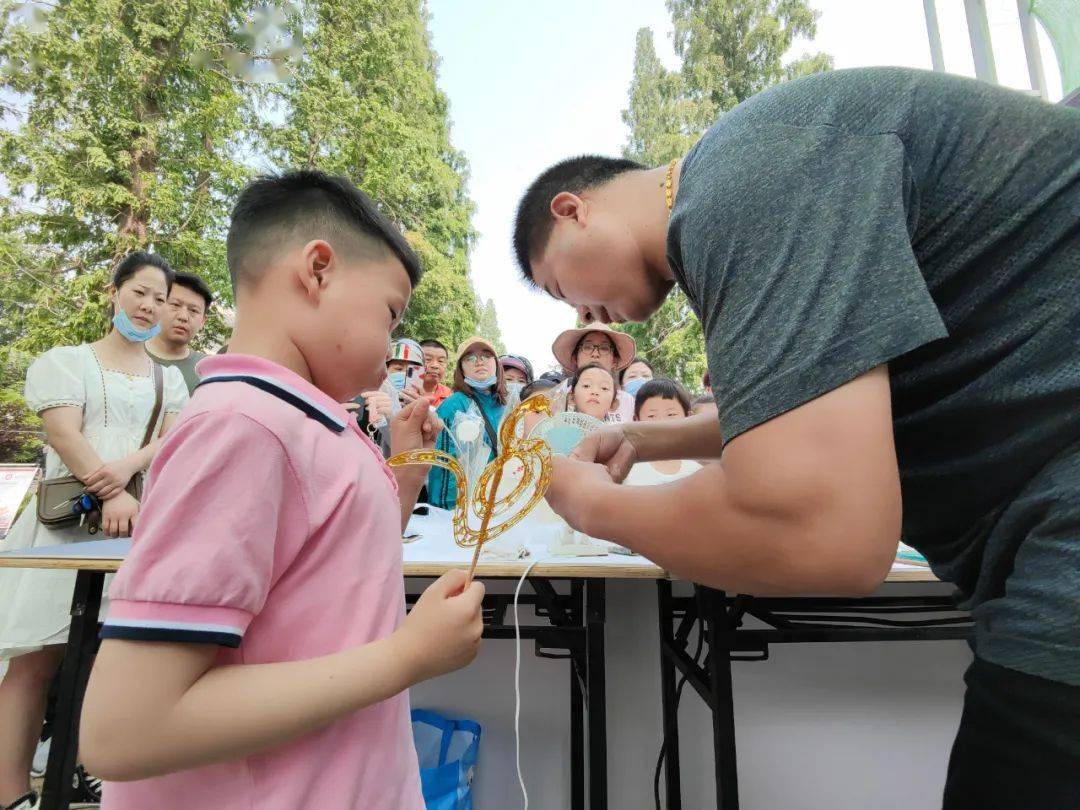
[[705, 407], [637, 371], [594, 393], [347, 310], [658, 409], [514, 375]]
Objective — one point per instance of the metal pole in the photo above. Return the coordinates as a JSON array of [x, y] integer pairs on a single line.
[[979, 33], [1031, 47], [595, 616], [933, 33], [669, 699]]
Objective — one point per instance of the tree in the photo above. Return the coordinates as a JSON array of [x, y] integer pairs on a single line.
[[488, 325], [730, 50], [364, 103], [120, 130]]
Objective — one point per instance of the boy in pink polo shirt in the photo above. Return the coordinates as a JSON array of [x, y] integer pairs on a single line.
[[257, 650]]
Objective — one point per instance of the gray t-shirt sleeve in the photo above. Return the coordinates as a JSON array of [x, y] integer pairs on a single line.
[[796, 253]]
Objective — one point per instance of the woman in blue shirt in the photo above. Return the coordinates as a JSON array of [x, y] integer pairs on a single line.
[[478, 382]]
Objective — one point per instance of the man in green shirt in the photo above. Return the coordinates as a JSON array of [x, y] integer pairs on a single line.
[[183, 319], [886, 266]]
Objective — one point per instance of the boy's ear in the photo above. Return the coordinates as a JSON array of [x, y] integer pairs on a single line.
[[315, 267]]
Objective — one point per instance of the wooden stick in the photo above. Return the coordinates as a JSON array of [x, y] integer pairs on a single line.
[[481, 536]]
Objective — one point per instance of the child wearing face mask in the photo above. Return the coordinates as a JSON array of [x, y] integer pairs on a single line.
[[660, 400], [592, 391], [479, 382], [635, 375], [518, 373]]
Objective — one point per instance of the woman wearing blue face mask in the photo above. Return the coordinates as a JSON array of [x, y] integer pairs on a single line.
[[479, 383], [96, 401]]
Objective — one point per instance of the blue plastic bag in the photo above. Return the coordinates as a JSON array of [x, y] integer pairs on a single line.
[[447, 750]]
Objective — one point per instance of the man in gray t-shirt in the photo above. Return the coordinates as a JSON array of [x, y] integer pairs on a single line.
[[886, 265]]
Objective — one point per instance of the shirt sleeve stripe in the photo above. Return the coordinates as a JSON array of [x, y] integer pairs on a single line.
[[126, 633]]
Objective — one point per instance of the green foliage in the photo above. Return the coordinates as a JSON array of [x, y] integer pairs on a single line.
[[730, 50], [364, 103], [134, 125], [488, 326]]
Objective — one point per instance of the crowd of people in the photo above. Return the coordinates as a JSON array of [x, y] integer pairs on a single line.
[[96, 401]]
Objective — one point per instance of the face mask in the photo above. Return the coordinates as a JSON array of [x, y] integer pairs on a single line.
[[514, 387], [130, 331], [397, 379], [633, 386], [480, 385]]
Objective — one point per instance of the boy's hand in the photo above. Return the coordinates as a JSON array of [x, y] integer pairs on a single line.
[[414, 427], [442, 632]]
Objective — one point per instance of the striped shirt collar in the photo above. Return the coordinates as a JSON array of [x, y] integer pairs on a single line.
[[278, 381]]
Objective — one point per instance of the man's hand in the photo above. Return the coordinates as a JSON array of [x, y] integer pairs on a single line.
[[610, 447], [415, 427], [573, 485], [109, 480]]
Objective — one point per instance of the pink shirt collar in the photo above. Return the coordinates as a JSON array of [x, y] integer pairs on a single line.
[[285, 383]]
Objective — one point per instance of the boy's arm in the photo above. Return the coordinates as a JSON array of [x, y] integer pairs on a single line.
[[808, 502], [414, 427], [153, 708]]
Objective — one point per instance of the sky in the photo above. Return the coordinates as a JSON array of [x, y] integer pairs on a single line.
[[531, 83]]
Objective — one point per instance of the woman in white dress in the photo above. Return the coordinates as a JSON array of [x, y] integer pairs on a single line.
[[95, 401]]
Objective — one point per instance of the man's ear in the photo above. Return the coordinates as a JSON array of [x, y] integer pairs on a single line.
[[315, 267], [568, 206]]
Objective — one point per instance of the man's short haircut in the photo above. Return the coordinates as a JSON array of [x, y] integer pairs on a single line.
[[533, 224], [306, 205], [196, 285], [431, 343], [664, 389]]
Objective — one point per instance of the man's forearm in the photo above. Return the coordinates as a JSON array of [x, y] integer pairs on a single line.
[[231, 711], [693, 437], [762, 551]]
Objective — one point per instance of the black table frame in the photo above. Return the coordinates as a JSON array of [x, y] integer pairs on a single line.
[[574, 631], [718, 618]]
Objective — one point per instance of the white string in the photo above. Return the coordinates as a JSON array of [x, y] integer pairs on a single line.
[[517, 680]]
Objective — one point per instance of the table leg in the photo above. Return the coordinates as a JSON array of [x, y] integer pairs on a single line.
[[74, 673], [719, 636], [595, 676], [577, 739], [669, 698]]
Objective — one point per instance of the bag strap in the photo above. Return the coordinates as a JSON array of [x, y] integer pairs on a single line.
[[159, 386], [493, 437]]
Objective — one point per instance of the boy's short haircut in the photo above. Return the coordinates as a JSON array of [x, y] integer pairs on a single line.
[[196, 285], [533, 223], [304, 205], [663, 388], [702, 399], [431, 343]]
